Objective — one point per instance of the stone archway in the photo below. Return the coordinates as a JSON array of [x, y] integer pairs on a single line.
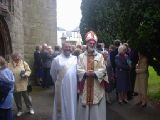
[[5, 39]]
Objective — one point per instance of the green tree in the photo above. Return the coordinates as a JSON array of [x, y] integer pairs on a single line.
[[94, 18], [136, 21]]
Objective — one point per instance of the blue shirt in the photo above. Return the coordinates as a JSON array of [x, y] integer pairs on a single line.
[[7, 75]]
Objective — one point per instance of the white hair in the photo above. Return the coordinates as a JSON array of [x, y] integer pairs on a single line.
[[121, 49]]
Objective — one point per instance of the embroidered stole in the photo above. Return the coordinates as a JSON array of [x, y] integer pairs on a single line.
[[90, 80]]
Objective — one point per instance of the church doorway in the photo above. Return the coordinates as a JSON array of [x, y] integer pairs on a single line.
[[5, 39]]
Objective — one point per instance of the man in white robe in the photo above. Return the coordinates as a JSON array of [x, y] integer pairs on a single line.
[[91, 77], [63, 72]]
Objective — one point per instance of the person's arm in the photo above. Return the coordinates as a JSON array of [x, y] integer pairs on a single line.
[[143, 68], [120, 64], [8, 78], [81, 68], [100, 73], [53, 70], [27, 69], [11, 79]]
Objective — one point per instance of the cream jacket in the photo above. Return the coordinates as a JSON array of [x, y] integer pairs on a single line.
[[20, 83]]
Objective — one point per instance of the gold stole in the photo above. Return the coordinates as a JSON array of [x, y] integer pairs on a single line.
[[90, 80]]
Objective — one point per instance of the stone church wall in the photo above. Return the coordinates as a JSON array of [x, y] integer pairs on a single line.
[[33, 22], [30, 23], [16, 28], [40, 25]]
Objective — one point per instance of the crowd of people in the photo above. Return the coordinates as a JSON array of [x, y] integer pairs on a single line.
[[43, 57], [83, 77], [100, 71]]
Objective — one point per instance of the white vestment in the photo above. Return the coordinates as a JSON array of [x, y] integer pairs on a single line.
[[97, 109], [63, 72]]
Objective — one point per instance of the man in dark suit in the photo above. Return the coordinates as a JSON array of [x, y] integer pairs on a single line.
[[38, 65], [114, 53]]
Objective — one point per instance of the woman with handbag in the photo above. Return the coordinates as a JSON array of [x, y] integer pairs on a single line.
[[21, 71], [6, 91]]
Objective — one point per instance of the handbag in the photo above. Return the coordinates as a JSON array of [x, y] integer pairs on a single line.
[[29, 88], [22, 74]]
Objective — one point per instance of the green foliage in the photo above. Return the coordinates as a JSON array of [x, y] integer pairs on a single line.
[[94, 18], [153, 85], [135, 21]]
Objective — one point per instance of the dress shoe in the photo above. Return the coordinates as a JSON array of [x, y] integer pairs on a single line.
[[139, 103], [144, 105]]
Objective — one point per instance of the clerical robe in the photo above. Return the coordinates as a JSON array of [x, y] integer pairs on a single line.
[[92, 103], [64, 74]]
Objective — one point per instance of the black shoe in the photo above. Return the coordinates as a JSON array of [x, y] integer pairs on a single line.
[[144, 105], [135, 94], [139, 103]]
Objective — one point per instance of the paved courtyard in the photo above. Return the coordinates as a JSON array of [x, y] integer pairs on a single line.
[[43, 105]]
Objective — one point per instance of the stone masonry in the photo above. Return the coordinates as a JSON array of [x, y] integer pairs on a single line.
[[33, 22]]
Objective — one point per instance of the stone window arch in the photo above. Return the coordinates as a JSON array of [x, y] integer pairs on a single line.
[[5, 39]]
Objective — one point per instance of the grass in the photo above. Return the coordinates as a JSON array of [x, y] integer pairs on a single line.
[[153, 85]]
